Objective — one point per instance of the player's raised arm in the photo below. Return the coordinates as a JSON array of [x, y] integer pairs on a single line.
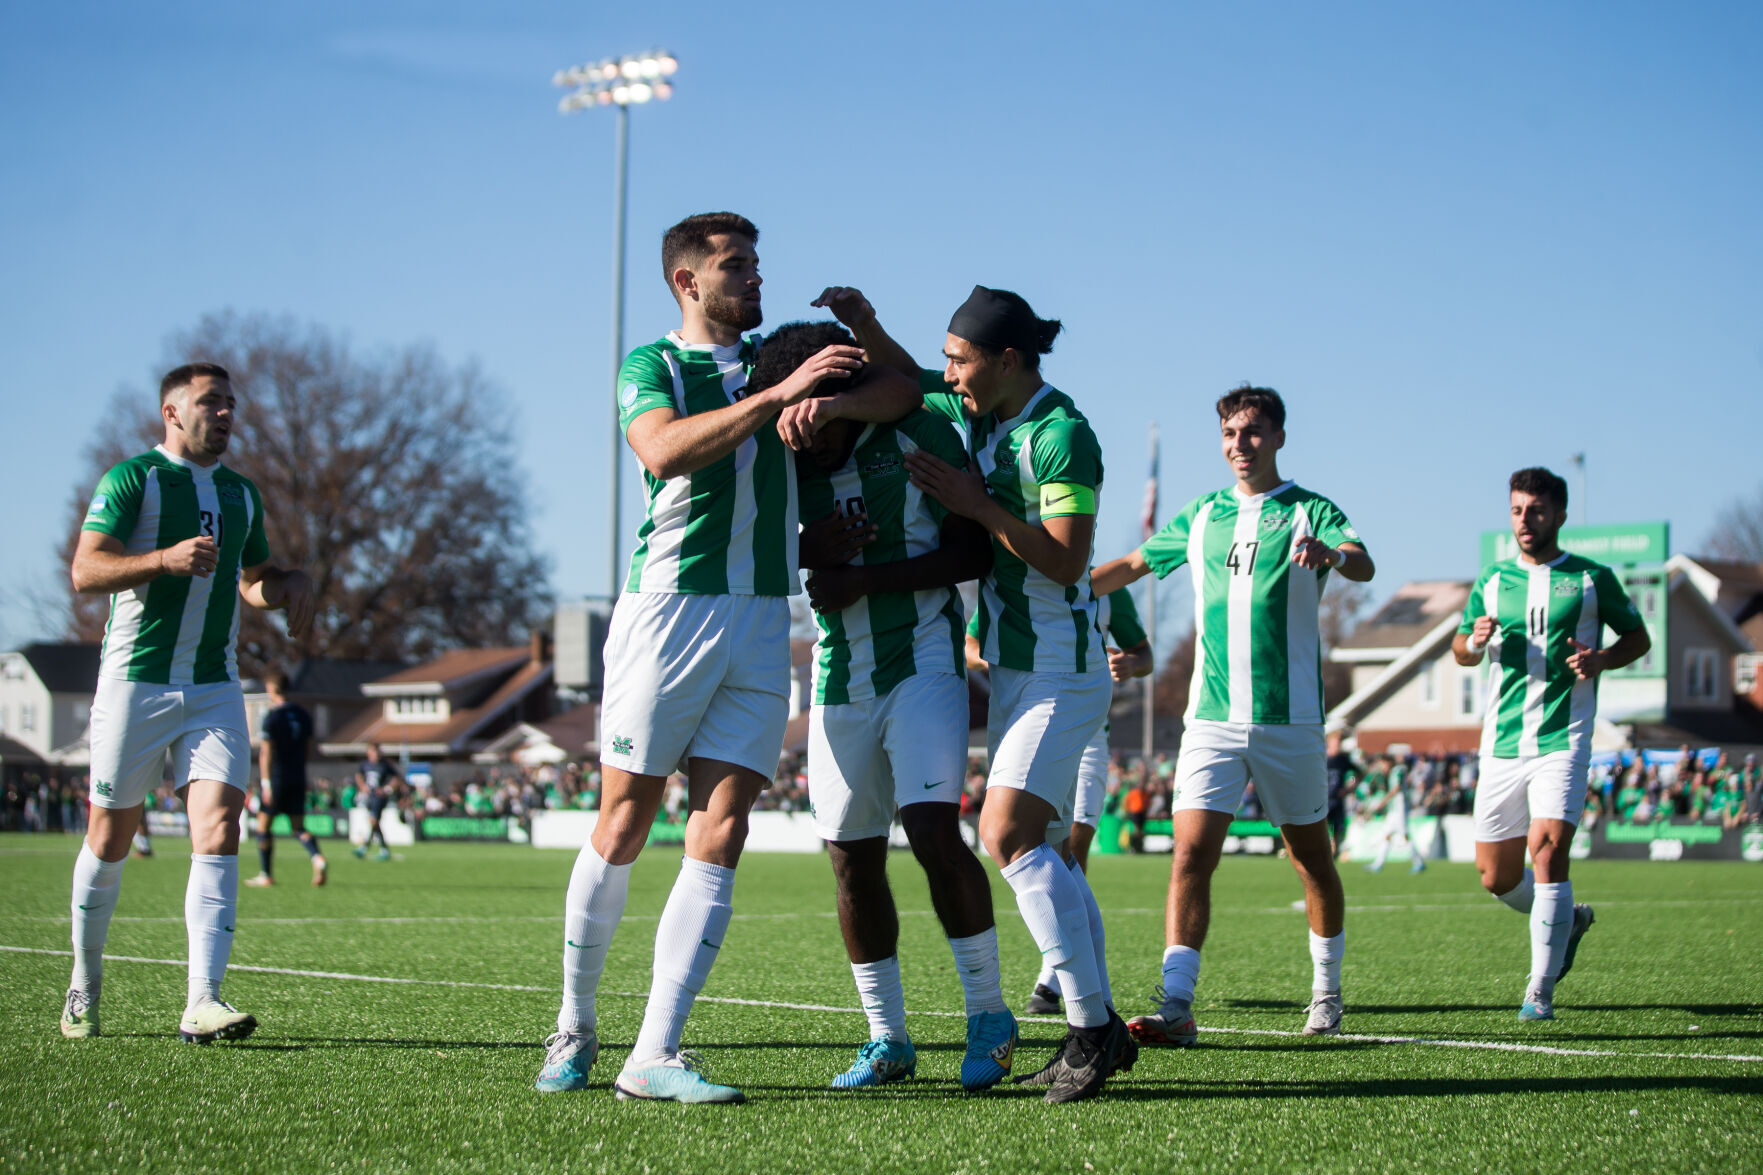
[[850, 307], [876, 395], [1115, 574]]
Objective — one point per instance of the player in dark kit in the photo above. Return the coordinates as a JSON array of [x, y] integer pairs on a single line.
[[375, 777], [281, 759]]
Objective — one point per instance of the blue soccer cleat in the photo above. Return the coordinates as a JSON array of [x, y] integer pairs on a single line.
[[676, 1079], [568, 1057], [879, 1062], [991, 1044], [1537, 1006]]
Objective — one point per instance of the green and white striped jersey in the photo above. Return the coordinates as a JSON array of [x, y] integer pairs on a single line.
[[1536, 704], [1118, 619], [1026, 621], [726, 529], [1257, 650], [885, 637], [173, 629]]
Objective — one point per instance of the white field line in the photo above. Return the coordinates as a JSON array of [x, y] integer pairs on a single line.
[[1425, 1042]]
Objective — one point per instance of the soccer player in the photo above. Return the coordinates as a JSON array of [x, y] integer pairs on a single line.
[[175, 539], [1129, 656], [1032, 479], [376, 778], [285, 738], [1395, 807], [1259, 553], [889, 726], [1541, 616], [697, 656]]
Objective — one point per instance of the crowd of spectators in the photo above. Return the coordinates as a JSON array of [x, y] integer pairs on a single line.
[[1707, 786]]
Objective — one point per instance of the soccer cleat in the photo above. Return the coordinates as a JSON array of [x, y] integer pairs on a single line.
[[361, 850], [1324, 1014], [321, 870], [1537, 1007], [991, 1045], [1419, 866], [79, 1015], [568, 1057], [215, 1020], [384, 854], [1089, 1056], [1045, 1074], [261, 881], [1170, 1026], [1374, 867], [1582, 921], [1044, 1002], [879, 1062], [676, 1079]]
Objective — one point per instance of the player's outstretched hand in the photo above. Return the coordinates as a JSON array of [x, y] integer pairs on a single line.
[[798, 423], [297, 599], [1312, 554], [834, 589], [835, 362], [1585, 661], [961, 492], [834, 541], [196, 557], [848, 305]]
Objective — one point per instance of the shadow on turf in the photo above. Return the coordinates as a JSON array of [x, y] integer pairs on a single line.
[[1354, 1006], [1427, 1087]]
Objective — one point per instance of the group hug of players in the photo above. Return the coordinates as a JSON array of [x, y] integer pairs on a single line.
[[828, 448]]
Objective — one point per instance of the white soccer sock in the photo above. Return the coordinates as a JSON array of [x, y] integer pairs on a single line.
[[1520, 896], [976, 958], [1181, 972], [693, 924], [1098, 936], [1551, 924], [1325, 961], [1046, 978], [591, 911], [883, 1000], [96, 886], [210, 903], [1053, 908], [1383, 852]]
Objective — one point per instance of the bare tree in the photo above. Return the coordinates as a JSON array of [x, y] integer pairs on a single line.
[[391, 479], [1343, 606], [1738, 530]]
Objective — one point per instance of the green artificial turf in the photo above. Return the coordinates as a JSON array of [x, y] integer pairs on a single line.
[[350, 1073]]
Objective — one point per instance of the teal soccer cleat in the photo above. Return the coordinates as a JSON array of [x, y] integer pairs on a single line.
[[991, 1045], [568, 1057], [879, 1062], [676, 1079]]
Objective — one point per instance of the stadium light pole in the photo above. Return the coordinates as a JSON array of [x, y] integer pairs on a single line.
[[620, 82]]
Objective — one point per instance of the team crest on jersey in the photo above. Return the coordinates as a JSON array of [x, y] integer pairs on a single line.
[[883, 466], [1273, 522], [1566, 587], [230, 492]]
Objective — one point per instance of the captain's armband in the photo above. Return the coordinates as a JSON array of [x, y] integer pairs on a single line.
[[1059, 499]]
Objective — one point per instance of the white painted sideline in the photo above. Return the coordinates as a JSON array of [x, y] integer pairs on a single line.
[[1425, 1042]]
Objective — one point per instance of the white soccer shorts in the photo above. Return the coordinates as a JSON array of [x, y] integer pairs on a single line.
[[695, 677], [867, 758], [1092, 780], [1038, 728], [134, 723], [1510, 793], [1287, 763]]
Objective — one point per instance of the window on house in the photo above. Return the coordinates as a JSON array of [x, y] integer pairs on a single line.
[[1701, 668], [1466, 695], [1429, 684], [419, 709], [27, 716]]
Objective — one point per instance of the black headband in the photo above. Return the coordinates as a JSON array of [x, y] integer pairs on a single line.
[[995, 321]]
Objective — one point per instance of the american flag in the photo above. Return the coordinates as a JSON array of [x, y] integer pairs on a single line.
[[1148, 519]]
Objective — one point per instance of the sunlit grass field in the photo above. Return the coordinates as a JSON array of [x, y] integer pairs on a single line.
[[403, 1010]]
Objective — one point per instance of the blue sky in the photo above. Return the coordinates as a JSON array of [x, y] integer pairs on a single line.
[[1459, 238]]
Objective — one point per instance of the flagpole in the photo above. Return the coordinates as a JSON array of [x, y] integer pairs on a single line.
[[1147, 739]]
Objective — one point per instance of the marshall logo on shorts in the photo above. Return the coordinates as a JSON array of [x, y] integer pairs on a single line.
[[102, 787], [621, 746]]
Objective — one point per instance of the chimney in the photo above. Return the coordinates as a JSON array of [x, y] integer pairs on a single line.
[[539, 647]]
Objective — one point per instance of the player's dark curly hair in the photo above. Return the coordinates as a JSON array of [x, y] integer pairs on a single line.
[[1247, 398], [1540, 483], [688, 242], [790, 346]]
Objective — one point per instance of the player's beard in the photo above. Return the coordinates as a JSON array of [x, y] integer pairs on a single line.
[[735, 312]]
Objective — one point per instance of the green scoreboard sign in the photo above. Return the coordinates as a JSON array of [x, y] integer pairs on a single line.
[[1636, 552]]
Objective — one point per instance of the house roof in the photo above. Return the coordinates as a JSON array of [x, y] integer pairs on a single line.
[[64, 667], [335, 677], [449, 671], [1410, 614], [13, 751], [445, 737]]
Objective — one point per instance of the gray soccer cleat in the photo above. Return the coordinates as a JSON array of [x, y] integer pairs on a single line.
[[1324, 1014]]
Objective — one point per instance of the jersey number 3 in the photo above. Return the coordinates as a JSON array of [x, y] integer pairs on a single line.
[[211, 526]]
